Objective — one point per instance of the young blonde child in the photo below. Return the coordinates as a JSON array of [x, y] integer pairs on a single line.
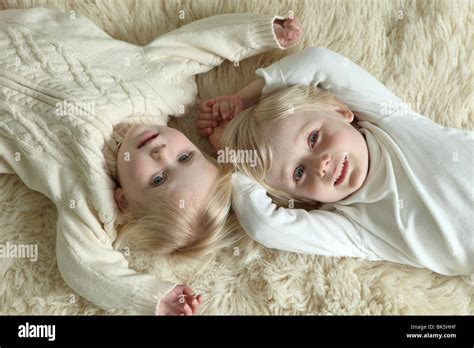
[[377, 180], [173, 199], [70, 94]]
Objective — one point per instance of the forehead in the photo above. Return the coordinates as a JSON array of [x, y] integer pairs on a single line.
[[283, 135], [293, 123]]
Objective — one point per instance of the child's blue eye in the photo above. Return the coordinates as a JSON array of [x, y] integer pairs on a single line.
[[185, 156], [159, 179], [298, 173], [313, 138]]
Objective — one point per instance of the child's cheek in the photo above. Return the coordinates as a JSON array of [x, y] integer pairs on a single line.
[[137, 166], [130, 163], [340, 139]]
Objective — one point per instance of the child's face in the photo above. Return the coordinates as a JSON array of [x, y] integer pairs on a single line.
[[169, 164], [308, 153]]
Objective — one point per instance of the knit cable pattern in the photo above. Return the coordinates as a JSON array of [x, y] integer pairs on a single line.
[[39, 80]]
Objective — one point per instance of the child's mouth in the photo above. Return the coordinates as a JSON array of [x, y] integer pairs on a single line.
[[342, 175], [147, 137]]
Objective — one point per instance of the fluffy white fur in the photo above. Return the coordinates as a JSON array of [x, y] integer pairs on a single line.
[[420, 50]]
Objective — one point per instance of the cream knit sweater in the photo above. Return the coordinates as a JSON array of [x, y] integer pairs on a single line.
[[65, 89]]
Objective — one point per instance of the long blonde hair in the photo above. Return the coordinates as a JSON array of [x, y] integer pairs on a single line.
[[247, 131], [196, 230]]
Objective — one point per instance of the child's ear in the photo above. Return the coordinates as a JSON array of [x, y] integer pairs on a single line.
[[120, 199], [347, 114]]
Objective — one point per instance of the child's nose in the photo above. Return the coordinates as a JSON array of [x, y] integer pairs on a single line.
[[321, 165], [160, 153]]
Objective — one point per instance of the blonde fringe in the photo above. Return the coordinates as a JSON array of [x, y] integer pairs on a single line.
[[195, 231]]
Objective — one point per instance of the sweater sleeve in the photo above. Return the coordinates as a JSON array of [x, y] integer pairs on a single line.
[[5, 167], [76, 31], [85, 255], [311, 232], [99, 273], [326, 69], [207, 42]]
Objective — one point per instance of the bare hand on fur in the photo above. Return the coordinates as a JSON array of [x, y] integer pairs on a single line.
[[288, 31], [180, 301]]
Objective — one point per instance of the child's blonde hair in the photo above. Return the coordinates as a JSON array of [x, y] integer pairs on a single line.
[[247, 131], [196, 230]]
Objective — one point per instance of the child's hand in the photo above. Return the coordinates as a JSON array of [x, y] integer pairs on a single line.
[[215, 137], [288, 31], [180, 301], [214, 111]]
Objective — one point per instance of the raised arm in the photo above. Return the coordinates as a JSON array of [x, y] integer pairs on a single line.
[[331, 71], [201, 45], [73, 30], [211, 40], [311, 232], [315, 66], [99, 273]]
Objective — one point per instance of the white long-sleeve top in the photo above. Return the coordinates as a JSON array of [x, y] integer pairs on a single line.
[[415, 206], [48, 58]]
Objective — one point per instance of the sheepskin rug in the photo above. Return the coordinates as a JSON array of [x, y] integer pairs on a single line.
[[422, 50]]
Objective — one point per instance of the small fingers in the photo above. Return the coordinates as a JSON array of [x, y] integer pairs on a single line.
[[195, 305], [224, 109], [187, 309], [231, 110], [188, 291], [295, 24], [202, 124], [206, 116], [175, 309], [206, 105], [205, 132], [291, 31], [193, 301], [215, 110], [291, 34], [291, 23]]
